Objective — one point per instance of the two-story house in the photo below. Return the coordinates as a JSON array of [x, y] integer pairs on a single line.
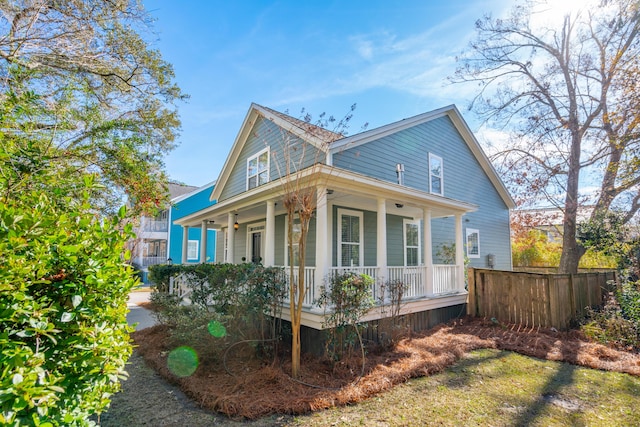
[[158, 241], [407, 201]]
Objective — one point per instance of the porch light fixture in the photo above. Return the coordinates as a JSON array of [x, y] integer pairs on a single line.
[[236, 225], [169, 261]]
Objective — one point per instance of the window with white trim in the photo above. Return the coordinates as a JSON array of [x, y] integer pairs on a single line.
[[473, 243], [258, 169], [350, 232], [295, 241], [412, 246], [435, 175], [192, 249]]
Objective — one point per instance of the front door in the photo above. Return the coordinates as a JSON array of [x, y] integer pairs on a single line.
[[256, 247]]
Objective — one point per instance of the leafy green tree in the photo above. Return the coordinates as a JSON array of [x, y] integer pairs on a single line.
[[63, 289], [106, 101], [568, 94]]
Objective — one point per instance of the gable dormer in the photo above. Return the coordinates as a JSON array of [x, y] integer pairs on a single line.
[[269, 145]]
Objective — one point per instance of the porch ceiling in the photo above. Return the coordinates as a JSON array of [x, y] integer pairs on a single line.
[[343, 188]]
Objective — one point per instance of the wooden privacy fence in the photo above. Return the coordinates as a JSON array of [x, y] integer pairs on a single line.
[[531, 299]]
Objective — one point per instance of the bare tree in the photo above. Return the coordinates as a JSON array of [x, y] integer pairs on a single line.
[[564, 95], [298, 168]]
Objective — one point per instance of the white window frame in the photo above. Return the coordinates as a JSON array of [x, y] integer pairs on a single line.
[[406, 222], [432, 175], [360, 216], [286, 238], [469, 232], [256, 157], [191, 250]]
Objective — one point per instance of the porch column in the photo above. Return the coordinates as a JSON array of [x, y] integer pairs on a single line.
[[230, 237], [427, 250], [459, 253], [185, 244], [270, 235], [381, 242], [203, 241], [322, 240]]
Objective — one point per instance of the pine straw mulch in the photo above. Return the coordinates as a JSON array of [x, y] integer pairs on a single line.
[[256, 390]]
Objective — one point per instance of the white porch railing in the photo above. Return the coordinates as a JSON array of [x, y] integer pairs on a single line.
[[179, 285], [446, 280], [309, 284], [414, 278], [369, 271]]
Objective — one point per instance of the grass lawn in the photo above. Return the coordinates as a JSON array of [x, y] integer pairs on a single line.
[[497, 388]]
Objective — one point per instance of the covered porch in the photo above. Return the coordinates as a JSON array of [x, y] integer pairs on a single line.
[[251, 230]]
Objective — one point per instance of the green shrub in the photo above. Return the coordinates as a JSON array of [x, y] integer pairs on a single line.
[[618, 322], [243, 299], [64, 338], [347, 299]]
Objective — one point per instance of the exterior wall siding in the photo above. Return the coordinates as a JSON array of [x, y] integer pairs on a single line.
[[463, 180], [198, 200], [264, 134], [395, 241]]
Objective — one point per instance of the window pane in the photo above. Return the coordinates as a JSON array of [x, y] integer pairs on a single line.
[[473, 243], [350, 229], [436, 166], [350, 255], [295, 239], [192, 249], [263, 161], [252, 181], [253, 167], [412, 256], [263, 178], [412, 235], [436, 185]]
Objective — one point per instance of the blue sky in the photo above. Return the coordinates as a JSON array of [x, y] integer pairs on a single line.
[[390, 58]]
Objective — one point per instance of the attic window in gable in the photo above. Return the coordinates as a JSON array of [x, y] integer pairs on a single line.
[[435, 175], [258, 169]]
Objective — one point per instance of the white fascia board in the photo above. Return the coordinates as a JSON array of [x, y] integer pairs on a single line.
[[484, 161], [391, 128], [290, 127], [196, 191], [236, 148]]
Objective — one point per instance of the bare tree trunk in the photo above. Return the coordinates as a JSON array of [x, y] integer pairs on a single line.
[[571, 252]]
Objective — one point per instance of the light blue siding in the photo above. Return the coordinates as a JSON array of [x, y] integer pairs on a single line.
[[464, 179], [395, 241], [264, 134]]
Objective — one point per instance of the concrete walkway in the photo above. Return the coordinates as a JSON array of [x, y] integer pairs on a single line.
[[139, 316]]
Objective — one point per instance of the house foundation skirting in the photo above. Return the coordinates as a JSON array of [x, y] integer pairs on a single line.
[[381, 331]]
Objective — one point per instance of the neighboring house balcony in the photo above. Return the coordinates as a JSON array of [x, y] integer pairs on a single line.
[[146, 261], [151, 229]]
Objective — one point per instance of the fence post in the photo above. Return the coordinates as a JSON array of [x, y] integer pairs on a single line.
[[471, 297]]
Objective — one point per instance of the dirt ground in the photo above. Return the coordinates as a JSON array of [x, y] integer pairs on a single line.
[[267, 394]]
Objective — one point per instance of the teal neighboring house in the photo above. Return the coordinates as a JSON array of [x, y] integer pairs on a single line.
[[191, 245], [158, 240]]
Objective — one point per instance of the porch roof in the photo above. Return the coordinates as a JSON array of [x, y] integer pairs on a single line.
[[344, 187]]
